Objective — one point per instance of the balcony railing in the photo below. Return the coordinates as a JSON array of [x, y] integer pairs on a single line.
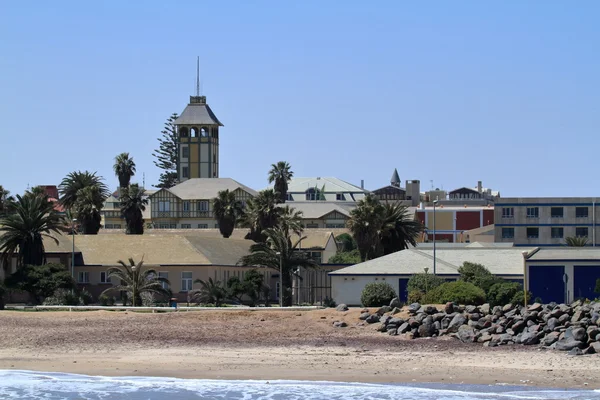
[[182, 214]]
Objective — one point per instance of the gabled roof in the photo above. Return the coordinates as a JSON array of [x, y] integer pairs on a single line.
[[317, 240], [390, 187], [197, 113], [206, 188], [316, 209], [395, 181], [465, 188], [332, 185]]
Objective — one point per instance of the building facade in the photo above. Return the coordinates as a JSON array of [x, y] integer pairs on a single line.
[[546, 221], [452, 222], [394, 193], [323, 189]]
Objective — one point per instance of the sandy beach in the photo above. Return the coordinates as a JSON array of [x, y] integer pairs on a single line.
[[269, 345]]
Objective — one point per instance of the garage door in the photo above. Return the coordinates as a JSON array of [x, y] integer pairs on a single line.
[[584, 281], [546, 282]]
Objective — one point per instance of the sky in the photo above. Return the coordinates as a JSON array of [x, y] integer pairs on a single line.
[[449, 93]]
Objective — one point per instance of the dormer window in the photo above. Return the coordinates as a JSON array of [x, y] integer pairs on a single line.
[[339, 196], [311, 194]]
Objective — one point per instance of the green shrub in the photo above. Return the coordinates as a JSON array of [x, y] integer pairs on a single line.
[[503, 293], [41, 281], [415, 296], [459, 292], [377, 294], [347, 242], [106, 300], [327, 302], [478, 275], [345, 257], [62, 297], [423, 283], [518, 297], [85, 297]]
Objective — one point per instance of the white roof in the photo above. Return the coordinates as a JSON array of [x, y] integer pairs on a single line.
[[500, 261], [331, 185], [207, 188], [317, 209]]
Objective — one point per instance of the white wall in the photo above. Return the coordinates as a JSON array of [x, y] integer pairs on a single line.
[[347, 289]]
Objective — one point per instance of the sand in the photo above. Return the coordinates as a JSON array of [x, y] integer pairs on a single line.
[[269, 345]]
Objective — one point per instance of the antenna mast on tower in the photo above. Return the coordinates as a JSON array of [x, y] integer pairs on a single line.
[[198, 77]]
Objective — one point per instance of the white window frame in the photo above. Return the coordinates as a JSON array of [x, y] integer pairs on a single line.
[[106, 277], [164, 274], [83, 277], [562, 232], [535, 212], [186, 205], [508, 212], [186, 283], [202, 226], [203, 205]]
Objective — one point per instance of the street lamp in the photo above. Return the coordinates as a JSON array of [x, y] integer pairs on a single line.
[[133, 281], [280, 278], [73, 249], [435, 202]]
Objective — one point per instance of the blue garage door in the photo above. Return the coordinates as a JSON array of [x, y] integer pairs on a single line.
[[403, 289], [584, 281], [546, 282]]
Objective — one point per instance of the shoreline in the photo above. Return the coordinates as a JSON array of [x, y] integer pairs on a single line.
[[271, 346]]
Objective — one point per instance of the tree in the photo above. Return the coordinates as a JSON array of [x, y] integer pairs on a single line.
[[5, 200], [576, 241], [249, 289], [377, 294], [290, 221], [227, 210], [133, 204], [347, 242], [41, 281], [135, 279], [210, 292], [22, 231], [74, 182], [478, 275], [345, 257], [166, 154], [281, 174], [124, 169], [36, 191], [90, 201], [281, 254], [365, 224], [399, 229], [261, 213]]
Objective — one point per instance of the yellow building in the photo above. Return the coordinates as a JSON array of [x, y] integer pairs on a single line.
[[111, 212]]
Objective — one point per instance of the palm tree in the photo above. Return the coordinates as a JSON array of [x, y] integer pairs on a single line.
[[133, 203], [87, 208], [75, 181], [365, 225], [22, 231], [36, 191], [399, 229], [281, 254], [290, 220], [135, 280], [124, 169], [281, 174], [576, 241], [227, 211], [5, 200], [210, 292], [261, 213]]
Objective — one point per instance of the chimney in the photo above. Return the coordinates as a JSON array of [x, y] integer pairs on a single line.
[[479, 186], [362, 184]]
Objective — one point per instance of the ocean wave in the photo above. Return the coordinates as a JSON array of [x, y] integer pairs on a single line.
[[19, 384]]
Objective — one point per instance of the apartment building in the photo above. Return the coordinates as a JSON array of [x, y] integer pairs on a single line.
[[545, 221]]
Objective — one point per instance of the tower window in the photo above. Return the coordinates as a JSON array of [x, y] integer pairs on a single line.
[[185, 152], [194, 132], [183, 132], [185, 172], [203, 132]]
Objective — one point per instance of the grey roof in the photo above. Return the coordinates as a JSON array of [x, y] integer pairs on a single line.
[[317, 209], [395, 181], [197, 113], [500, 261], [566, 253], [332, 185], [218, 250], [207, 188]]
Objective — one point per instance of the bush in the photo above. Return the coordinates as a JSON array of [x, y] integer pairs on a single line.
[[416, 296], [423, 282], [478, 275], [459, 292], [85, 298], [345, 257], [518, 297], [106, 300], [327, 302], [41, 281], [503, 293], [347, 242], [377, 294], [62, 297]]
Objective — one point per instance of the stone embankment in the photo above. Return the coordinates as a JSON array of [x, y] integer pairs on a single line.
[[574, 328]]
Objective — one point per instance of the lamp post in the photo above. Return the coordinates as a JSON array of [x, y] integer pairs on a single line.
[[73, 248], [280, 278], [133, 281], [524, 253], [434, 205]]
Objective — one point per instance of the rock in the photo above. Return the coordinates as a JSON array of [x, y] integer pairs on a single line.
[[385, 319], [437, 326], [383, 310], [596, 347], [563, 319], [413, 308], [392, 331], [395, 322], [364, 316], [339, 324], [485, 309], [382, 328], [413, 322], [534, 329], [507, 307], [529, 338], [592, 332], [551, 324], [341, 307], [535, 307], [395, 303], [590, 350], [579, 334], [576, 303], [518, 326], [420, 317], [567, 344], [395, 311], [474, 316], [550, 338], [598, 337], [483, 324], [497, 310], [486, 337], [578, 315], [511, 313], [557, 313], [470, 309], [595, 318], [403, 328], [371, 319], [438, 317], [466, 334], [456, 323], [426, 330], [449, 308], [575, 351], [430, 310]]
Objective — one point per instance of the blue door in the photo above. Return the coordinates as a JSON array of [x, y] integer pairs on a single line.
[[584, 282], [403, 289], [546, 282]]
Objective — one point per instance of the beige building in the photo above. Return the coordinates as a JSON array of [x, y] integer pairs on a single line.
[[111, 212], [324, 215]]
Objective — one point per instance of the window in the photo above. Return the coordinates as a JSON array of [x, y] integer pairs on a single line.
[[556, 212], [312, 226], [164, 206], [186, 226], [288, 197], [117, 226], [508, 212], [83, 277], [163, 226], [164, 275], [185, 172], [185, 152], [311, 194], [173, 226], [104, 277], [581, 212], [109, 226], [203, 205], [277, 289], [508, 233], [186, 281], [533, 233], [202, 226], [533, 212], [335, 226], [339, 196], [581, 232], [186, 206], [557, 233], [316, 256]]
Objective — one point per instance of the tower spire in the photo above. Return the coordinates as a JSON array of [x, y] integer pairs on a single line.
[[198, 76]]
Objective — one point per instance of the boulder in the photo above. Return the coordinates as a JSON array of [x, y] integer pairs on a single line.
[[385, 319], [466, 334], [413, 308], [483, 323], [579, 334], [395, 311], [470, 309], [567, 344], [590, 350], [341, 307], [551, 324], [437, 326], [339, 324], [578, 315], [446, 322], [383, 310], [430, 310], [405, 327], [518, 326], [364, 316], [557, 313], [426, 330], [592, 332], [395, 322], [458, 321], [529, 338], [438, 316], [392, 331], [575, 351], [507, 307], [449, 308], [474, 316], [550, 338], [595, 318], [497, 310], [395, 303], [382, 328], [420, 317], [485, 309], [535, 307], [485, 337], [563, 319], [596, 347], [371, 319]]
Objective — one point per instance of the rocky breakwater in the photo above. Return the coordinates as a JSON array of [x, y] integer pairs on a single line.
[[574, 328]]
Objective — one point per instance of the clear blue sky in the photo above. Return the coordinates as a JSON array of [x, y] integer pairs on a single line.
[[454, 92]]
